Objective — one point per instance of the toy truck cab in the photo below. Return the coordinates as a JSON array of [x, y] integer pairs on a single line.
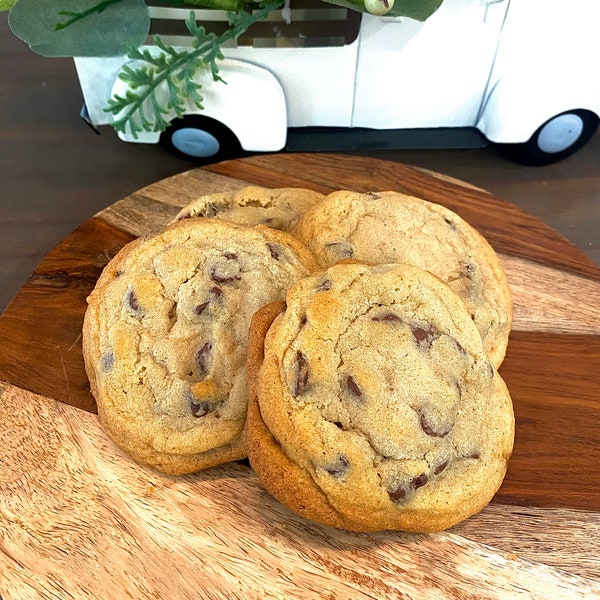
[[512, 72]]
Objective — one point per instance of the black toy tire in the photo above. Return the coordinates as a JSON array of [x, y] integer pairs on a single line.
[[578, 127], [201, 139]]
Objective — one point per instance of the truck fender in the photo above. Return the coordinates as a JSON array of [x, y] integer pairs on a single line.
[[249, 101], [516, 106]]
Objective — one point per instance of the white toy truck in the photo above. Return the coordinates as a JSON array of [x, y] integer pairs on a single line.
[[517, 73]]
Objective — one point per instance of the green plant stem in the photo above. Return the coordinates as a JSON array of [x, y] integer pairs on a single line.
[[120, 123], [234, 32], [77, 16], [227, 5]]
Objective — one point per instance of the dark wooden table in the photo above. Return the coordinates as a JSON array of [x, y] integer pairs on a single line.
[[55, 172]]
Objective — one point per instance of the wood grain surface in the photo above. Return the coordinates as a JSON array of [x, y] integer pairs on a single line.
[[79, 519]]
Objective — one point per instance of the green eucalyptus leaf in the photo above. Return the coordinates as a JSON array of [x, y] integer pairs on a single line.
[[80, 27], [6, 4], [419, 10]]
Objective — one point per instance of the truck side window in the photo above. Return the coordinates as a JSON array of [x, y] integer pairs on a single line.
[[313, 24]]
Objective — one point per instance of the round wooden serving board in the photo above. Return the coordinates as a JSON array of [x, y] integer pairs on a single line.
[[79, 519]]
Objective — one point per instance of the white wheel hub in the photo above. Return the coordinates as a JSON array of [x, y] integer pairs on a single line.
[[560, 133], [195, 142]]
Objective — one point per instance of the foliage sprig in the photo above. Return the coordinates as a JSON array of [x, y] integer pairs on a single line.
[[75, 16], [142, 108]]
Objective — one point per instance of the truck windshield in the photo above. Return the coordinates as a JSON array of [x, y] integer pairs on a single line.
[[313, 23]]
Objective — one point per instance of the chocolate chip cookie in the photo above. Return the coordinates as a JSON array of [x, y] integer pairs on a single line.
[[372, 403], [390, 227], [165, 337], [278, 208]]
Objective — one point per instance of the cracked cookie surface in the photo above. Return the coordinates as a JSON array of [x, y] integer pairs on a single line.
[[390, 227], [165, 337], [279, 208], [374, 405]]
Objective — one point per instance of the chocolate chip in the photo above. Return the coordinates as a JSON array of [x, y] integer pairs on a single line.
[[341, 249], [340, 468], [388, 317], [107, 362], [173, 315], [450, 223], [458, 346], [213, 294], [227, 269], [276, 251], [419, 481], [301, 374], [202, 358], [200, 409], [201, 308], [427, 428], [324, 285], [474, 455], [458, 388], [133, 303], [303, 321], [339, 424], [353, 387], [397, 493], [439, 468], [423, 335], [211, 210]]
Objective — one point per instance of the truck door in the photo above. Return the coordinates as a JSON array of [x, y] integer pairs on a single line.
[[313, 57], [432, 74]]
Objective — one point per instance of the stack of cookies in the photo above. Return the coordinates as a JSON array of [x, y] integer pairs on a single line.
[[347, 344]]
